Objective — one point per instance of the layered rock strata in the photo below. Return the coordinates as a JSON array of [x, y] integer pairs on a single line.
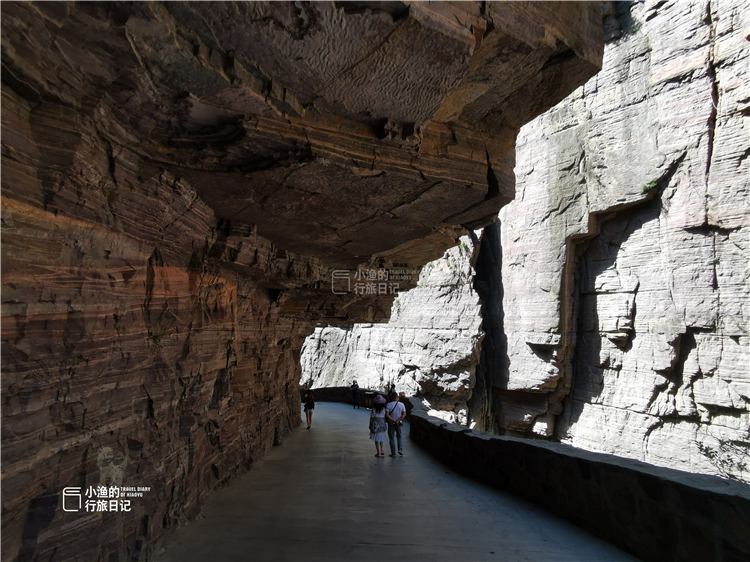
[[252, 103], [624, 254], [428, 349], [179, 180]]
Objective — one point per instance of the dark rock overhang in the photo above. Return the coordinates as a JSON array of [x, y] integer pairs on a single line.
[[352, 131]]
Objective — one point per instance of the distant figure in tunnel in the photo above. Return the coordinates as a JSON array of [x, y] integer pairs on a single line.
[[309, 401], [395, 414], [378, 425], [355, 394]]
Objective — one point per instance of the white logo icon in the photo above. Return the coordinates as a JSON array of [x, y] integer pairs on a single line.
[[71, 499], [340, 274]]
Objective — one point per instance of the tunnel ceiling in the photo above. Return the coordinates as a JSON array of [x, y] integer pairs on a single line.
[[342, 130]]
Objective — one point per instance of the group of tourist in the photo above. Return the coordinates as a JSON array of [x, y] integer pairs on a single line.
[[385, 418]]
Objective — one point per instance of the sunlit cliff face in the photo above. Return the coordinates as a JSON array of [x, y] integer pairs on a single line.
[[613, 287]]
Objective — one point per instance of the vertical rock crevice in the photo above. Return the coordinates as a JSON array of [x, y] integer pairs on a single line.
[[711, 73], [493, 359]]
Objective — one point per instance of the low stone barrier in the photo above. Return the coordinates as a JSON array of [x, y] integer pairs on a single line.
[[657, 514], [342, 394]]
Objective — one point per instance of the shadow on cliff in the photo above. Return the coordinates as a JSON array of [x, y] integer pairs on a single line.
[[595, 256], [493, 359]]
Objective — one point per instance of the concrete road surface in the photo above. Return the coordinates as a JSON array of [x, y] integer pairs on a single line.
[[322, 495]]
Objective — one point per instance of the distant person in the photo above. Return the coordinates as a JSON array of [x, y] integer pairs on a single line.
[[378, 425], [392, 389], [395, 412], [355, 394], [309, 401]]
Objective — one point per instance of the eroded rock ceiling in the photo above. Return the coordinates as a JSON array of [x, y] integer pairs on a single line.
[[341, 130]]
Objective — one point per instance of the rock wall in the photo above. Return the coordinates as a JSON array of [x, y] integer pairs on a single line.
[[132, 356], [429, 348], [624, 255]]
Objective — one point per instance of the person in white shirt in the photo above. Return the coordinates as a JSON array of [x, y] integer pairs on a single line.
[[395, 412]]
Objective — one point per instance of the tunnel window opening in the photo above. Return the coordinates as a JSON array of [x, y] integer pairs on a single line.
[[428, 349]]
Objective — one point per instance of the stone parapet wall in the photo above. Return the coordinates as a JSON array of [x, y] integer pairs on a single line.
[[655, 513], [340, 394]]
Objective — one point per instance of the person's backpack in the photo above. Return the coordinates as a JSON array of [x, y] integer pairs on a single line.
[[378, 425]]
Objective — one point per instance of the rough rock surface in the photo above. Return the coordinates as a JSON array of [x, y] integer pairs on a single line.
[[428, 349], [178, 181], [625, 253], [251, 103]]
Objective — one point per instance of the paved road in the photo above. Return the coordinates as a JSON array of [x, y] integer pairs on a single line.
[[323, 495]]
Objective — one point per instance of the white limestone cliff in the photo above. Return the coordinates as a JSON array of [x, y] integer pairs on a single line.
[[429, 348], [625, 253]]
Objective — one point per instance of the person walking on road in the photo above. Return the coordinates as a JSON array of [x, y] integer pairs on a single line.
[[378, 425], [395, 414], [309, 401], [355, 395]]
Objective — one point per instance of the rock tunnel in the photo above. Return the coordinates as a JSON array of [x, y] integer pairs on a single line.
[[604, 308], [189, 189]]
